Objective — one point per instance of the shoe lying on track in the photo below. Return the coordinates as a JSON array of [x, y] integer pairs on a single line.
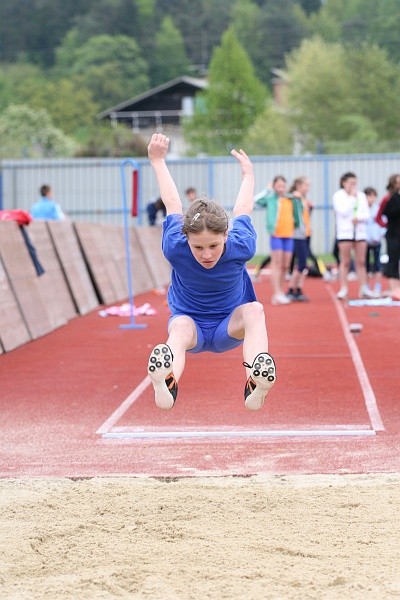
[[262, 378], [162, 377]]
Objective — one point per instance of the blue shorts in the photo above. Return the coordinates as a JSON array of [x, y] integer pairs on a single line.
[[279, 243], [212, 336]]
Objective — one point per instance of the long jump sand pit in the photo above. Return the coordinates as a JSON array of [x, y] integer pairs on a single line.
[[261, 537]]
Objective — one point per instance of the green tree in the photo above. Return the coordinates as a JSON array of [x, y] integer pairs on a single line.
[[268, 33], [17, 81], [33, 28], [338, 95], [310, 6], [320, 89], [111, 67], [169, 57], [232, 101], [105, 139], [271, 133], [118, 17], [201, 23], [376, 79], [26, 133], [69, 104], [356, 22], [246, 15]]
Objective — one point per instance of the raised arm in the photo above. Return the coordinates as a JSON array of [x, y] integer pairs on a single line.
[[244, 201], [157, 152]]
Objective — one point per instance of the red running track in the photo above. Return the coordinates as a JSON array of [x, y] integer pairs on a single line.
[[77, 402]]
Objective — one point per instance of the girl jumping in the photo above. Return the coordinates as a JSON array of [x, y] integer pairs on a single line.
[[211, 297]]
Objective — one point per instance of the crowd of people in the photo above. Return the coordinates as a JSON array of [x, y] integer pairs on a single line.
[[366, 245], [362, 222]]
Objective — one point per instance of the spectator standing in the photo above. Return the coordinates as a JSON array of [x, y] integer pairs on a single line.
[[283, 215], [392, 212], [46, 208], [351, 215], [191, 194], [154, 209], [393, 186], [301, 235], [375, 234]]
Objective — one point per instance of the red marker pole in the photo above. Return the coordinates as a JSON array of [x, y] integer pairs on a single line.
[[134, 211]]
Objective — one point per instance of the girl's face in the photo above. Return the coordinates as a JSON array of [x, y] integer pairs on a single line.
[[350, 186], [207, 247], [280, 187], [304, 187]]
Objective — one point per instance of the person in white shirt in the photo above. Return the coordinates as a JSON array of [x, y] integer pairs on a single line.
[[351, 214]]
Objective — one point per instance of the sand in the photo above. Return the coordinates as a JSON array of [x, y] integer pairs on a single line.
[[262, 537]]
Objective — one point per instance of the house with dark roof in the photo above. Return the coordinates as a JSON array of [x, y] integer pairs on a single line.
[[160, 109]]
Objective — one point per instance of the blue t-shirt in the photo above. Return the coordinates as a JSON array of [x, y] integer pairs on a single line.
[[209, 294], [47, 210]]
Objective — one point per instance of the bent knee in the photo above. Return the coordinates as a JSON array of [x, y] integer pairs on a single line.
[[182, 326], [253, 310]]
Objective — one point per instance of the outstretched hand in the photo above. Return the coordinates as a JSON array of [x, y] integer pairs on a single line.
[[158, 146], [244, 201], [245, 162]]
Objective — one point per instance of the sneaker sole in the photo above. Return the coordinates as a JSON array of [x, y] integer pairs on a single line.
[[159, 366], [263, 373]]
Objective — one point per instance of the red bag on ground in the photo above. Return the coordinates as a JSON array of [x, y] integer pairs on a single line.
[[17, 214]]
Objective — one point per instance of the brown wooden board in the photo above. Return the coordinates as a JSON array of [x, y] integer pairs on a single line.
[[23, 279], [98, 260], [115, 240], [52, 284], [143, 279], [150, 241], [113, 236], [13, 330], [73, 264]]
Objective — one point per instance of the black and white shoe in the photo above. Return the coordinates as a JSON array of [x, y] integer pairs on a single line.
[[262, 378], [162, 377]]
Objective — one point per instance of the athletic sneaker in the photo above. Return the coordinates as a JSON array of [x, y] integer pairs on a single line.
[[280, 299], [342, 293], [261, 380], [162, 377], [290, 295], [300, 297], [366, 292]]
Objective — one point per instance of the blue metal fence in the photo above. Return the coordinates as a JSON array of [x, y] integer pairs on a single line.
[[90, 189]]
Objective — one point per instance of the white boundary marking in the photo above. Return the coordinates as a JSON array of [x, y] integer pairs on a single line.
[[368, 393], [238, 434], [369, 399], [127, 403]]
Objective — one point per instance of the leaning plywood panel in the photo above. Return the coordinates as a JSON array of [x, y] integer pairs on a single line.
[[113, 236], [23, 279], [139, 273], [13, 331], [143, 279], [98, 260], [73, 264], [115, 240], [52, 284], [150, 241]]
